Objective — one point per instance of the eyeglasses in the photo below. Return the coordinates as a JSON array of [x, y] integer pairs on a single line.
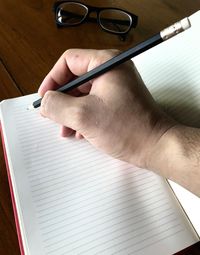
[[112, 20]]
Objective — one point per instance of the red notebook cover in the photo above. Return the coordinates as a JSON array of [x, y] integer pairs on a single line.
[[12, 196]]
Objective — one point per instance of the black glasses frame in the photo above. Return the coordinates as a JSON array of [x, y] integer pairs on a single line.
[[90, 9]]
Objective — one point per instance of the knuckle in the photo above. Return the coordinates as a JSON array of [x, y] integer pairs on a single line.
[[65, 53], [108, 54], [48, 97], [113, 52], [69, 52], [102, 56], [46, 101]]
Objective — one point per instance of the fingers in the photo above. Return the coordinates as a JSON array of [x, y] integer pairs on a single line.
[[66, 132], [59, 75], [72, 63], [62, 108], [71, 112], [80, 61]]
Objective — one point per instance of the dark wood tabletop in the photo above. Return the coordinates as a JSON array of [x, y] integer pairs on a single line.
[[30, 43]]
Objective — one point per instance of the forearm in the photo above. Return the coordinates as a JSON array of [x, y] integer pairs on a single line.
[[177, 157]]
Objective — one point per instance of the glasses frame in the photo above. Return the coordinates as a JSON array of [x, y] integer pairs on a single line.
[[90, 9]]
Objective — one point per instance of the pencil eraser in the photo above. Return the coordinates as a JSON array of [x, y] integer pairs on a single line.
[[185, 23]]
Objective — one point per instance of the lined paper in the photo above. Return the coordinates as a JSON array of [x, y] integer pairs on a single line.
[[73, 199], [171, 71]]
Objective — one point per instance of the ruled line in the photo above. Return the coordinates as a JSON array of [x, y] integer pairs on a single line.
[[86, 202]]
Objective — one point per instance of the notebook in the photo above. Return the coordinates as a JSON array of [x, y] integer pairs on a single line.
[[70, 198]]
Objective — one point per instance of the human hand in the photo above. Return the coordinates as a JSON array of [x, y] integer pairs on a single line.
[[114, 112]]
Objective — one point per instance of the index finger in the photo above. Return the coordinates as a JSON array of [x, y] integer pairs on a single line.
[[73, 62]]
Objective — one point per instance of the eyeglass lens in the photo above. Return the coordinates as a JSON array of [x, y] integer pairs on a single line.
[[71, 13], [112, 20]]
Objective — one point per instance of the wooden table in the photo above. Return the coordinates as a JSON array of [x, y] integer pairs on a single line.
[[30, 44]]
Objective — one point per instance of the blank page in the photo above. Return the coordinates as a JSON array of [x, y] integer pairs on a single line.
[[171, 71], [73, 199]]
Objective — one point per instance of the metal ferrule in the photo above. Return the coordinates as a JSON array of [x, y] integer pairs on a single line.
[[175, 29]]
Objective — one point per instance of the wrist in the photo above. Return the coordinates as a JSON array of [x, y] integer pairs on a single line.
[[176, 157], [164, 152], [150, 142], [162, 145]]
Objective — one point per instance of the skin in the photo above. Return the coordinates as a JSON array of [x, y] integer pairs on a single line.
[[116, 113]]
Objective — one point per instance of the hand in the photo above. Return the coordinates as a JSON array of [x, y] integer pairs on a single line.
[[114, 112]]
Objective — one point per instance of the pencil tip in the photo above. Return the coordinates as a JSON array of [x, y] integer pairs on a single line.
[[30, 107]]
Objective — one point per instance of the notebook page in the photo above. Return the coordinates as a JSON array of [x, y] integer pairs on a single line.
[[190, 203], [171, 71], [73, 199]]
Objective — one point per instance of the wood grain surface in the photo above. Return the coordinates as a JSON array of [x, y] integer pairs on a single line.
[[30, 44]]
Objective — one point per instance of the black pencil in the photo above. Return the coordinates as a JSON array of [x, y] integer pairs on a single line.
[[123, 57]]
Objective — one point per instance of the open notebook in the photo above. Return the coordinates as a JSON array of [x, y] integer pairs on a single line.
[[72, 199]]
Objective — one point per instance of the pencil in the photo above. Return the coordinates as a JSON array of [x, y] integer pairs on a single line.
[[163, 35]]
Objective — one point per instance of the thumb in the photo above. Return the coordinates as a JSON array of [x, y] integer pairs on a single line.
[[72, 112]]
